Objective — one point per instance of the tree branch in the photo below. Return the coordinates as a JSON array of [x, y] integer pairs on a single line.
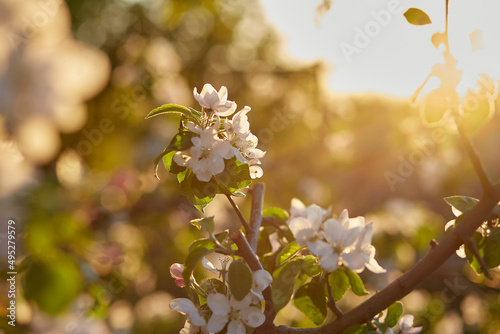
[[245, 251], [407, 282], [256, 215], [473, 156]]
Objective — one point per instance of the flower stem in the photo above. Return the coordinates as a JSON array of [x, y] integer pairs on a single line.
[[238, 213]]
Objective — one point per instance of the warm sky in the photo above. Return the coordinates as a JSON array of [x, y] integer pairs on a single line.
[[397, 57]]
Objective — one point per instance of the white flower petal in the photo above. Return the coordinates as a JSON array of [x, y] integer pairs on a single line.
[[319, 247], [297, 208], [252, 316], [449, 224], [330, 262], [216, 323], [197, 319], [355, 261], [333, 231], [301, 230], [255, 171], [261, 280], [241, 304], [236, 327], [208, 265], [183, 305], [218, 303]]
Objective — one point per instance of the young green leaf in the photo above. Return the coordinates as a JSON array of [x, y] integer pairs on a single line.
[[278, 213], [197, 251], [356, 283], [310, 300], [240, 279], [170, 108], [287, 252], [311, 266], [181, 141], [492, 248], [339, 283], [417, 17], [284, 281], [206, 223], [170, 164], [461, 203], [394, 312], [479, 241]]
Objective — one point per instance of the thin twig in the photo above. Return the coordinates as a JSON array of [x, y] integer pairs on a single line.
[[331, 301], [473, 156], [472, 247], [256, 215], [238, 212]]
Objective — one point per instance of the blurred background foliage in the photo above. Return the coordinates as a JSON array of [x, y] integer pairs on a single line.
[[97, 232]]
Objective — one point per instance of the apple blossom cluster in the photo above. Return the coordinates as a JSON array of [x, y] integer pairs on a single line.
[[213, 143], [220, 309], [337, 242]]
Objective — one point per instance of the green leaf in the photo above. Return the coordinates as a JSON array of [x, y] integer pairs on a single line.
[[276, 212], [204, 189], [287, 252], [171, 165], [157, 161], [53, 284], [461, 203], [434, 107], [492, 248], [394, 312], [438, 38], [186, 190], [236, 175], [206, 223], [197, 251], [240, 279], [417, 17], [284, 281], [478, 240], [310, 300], [356, 283], [170, 108], [311, 266], [339, 283], [181, 141]]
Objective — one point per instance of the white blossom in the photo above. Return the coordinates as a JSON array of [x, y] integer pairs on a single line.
[[187, 307], [405, 323], [206, 156], [236, 314], [215, 101], [305, 228]]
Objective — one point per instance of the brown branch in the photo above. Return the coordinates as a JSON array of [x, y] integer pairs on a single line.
[[256, 215], [473, 156], [246, 252]]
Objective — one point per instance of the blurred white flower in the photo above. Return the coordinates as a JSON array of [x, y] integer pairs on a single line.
[[215, 101], [261, 280], [45, 76], [234, 313], [298, 209], [405, 323]]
